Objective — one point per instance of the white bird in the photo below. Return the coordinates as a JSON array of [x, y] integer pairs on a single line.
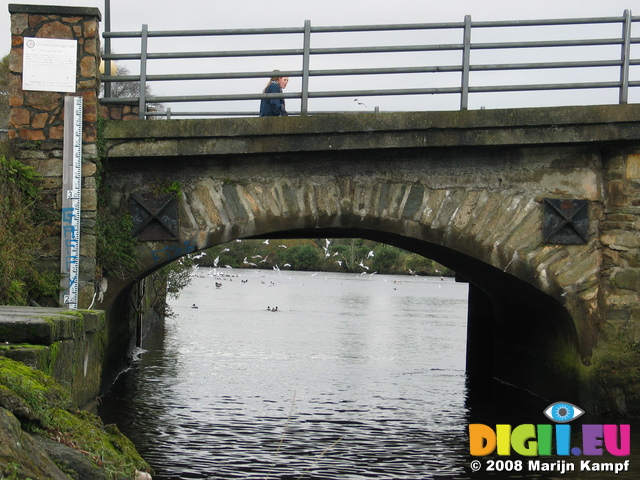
[[371, 275], [238, 240], [286, 265], [266, 242], [370, 254], [282, 246], [225, 250], [359, 102], [361, 264], [256, 256], [339, 262], [228, 266], [215, 262], [275, 267]]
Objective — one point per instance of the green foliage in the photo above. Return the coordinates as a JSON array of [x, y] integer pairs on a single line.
[[173, 188], [47, 410], [24, 223], [342, 255], [177, 275], [302, 257], [115, 246], [4, 92]]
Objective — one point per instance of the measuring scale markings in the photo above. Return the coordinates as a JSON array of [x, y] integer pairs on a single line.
[[70, 264]]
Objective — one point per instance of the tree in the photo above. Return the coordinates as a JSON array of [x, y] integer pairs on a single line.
[[129, 89]]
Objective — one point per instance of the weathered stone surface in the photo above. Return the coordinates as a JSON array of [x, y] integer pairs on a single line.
[[20, 454], [19, 117], [55, 30]]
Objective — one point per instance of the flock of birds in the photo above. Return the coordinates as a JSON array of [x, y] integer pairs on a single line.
[[256, 260], [220, 275]]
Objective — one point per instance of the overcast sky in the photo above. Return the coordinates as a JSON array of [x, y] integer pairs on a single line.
[[129, 15]]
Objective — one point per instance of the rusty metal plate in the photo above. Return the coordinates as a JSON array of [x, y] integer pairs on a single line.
[[566, 221], [155, 217]]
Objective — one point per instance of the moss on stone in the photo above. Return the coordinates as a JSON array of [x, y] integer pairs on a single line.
[[615, 375], [52, 415]]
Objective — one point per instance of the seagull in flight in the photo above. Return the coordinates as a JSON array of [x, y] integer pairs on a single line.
[[266, 242]]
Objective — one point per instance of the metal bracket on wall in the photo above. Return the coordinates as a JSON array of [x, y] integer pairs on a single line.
[[566, 221], [155, 217]]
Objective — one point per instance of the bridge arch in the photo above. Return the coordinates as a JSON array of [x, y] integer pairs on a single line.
[[532, 313]]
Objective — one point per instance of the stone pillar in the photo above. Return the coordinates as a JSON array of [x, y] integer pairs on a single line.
[[36, 119], [617, 356]]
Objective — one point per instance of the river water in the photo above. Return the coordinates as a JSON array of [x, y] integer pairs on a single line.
[[354, 377]]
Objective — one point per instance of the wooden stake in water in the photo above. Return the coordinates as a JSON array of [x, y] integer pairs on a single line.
[[71, 191]]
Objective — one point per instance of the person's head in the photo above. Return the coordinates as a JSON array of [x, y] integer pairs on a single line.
[[282, 81]]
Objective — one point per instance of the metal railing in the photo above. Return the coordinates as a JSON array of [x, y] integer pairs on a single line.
[[464, 71]]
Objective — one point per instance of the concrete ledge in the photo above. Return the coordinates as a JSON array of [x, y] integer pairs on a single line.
[[38, 325], [56, 10], [66, 344]]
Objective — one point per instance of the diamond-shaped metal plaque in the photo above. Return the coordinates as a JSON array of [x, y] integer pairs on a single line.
[[155, 217], [566, 221]]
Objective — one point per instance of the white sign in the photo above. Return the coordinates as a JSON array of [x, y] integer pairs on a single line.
[[49, 64]]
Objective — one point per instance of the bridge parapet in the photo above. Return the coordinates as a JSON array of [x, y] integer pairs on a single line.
[[510, 127]]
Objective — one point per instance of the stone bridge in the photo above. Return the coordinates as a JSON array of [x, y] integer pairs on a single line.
[[537, 209]]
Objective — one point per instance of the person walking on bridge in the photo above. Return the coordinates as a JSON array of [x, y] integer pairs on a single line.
[[274, 107]]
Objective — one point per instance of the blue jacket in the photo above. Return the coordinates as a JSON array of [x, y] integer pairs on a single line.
[[273, 107]]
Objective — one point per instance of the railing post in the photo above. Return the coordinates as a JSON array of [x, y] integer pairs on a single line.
[[304, 102], [142, 106], [626, 53], [107, 47], [466, 53]]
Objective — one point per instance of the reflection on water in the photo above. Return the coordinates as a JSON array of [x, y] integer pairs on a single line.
[[352, 378]]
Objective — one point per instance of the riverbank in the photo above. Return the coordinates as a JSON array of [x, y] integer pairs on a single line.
[[50, 362]]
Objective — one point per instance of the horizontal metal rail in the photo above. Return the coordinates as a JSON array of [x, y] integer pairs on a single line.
[[626, 61]]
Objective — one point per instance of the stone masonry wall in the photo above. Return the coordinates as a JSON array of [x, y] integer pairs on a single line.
[[617, 356], [36, 121]]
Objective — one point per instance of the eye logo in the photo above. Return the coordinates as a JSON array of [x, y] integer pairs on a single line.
[[563, 412]]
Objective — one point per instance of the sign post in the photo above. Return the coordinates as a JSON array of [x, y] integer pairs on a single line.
[[71, 191]]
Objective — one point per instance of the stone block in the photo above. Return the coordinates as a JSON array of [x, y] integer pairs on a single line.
[[56, 132], [628, 279], [633, 166], [19, 23], [19, 118], [31, 135], [89, 199], [54, 30], [45, 101], [88, 67], [39, 120]]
